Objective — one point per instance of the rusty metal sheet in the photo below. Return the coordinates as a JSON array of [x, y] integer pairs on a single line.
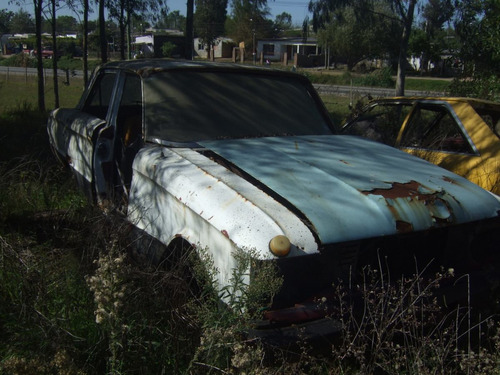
[[351, 188]]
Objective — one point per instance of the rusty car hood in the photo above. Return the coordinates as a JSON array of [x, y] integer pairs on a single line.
[[350, 188]]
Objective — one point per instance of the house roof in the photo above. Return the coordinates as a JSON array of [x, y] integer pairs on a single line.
[[291, 40]]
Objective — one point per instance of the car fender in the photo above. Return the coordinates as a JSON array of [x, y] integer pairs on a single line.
[[181, 193]]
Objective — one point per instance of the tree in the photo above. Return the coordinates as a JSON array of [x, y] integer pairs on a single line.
[[171, 20], [66, 24], [103, 42], [5, 21], [209, 20], [479, 34], [249, 21], [189, 29], [352, 40], [85, 45], [325, 10], [53, 4], [38, 6], [124, 10], [22, 22], [430, 39], [282, 23]]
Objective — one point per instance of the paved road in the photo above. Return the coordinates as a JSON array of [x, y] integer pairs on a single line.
[[321, 88], [364, 91]]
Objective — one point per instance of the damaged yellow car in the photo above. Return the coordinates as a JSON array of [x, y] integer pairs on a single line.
[[459, 134]]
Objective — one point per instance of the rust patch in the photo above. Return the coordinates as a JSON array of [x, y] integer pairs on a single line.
[[343, 161], [224, 232], [403, 226], [447, 179], [399, 190]]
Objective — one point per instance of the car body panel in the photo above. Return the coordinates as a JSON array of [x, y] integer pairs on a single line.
[[478, 163]]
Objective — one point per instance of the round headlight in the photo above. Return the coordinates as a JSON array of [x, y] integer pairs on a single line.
[[280, 246]]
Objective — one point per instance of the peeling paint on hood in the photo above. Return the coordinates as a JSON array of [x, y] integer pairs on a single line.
[[351, 188]]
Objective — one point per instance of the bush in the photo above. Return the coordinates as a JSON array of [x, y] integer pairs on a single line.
[[378, 78], [482, 87], [167, 49], [19, 60]]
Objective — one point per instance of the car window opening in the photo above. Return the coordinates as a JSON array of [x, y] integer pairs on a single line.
[[194, 106]]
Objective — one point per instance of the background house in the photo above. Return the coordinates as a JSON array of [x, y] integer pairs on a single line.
[[223, 48], [151, 45], [274, 49]]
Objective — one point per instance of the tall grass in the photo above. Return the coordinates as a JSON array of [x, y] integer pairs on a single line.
[[19, 91], [75, 300]]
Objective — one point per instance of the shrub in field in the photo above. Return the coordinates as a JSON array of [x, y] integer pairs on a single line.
[[480, 86], [378, 78], [399, 327], [19, 60]]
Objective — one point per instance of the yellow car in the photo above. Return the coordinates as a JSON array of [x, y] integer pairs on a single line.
[[459, 134]]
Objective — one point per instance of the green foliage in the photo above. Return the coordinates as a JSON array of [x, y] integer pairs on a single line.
[[171, 20], [22, 22], [485, 86], [19, 60], [209, 20], [167, 49], [477, 28], [352, 37], [5, 18], [249, 18], [378, 78]]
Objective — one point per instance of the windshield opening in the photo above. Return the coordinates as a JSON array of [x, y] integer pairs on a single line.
[[191, 106]]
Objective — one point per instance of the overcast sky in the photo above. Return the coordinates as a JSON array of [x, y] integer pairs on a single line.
[[297, 8]]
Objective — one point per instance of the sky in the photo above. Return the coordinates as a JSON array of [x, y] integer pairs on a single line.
[[297, 8]]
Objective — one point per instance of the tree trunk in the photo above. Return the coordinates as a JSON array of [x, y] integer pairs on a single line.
[[85, 42], [129, 37], [123, 27], [38, 24], [54, 55], [403, 49], [189, 29], [102, 33]]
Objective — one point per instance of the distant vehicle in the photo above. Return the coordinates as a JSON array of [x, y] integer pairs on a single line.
[[47, 53], [230, 158], [459, 134]]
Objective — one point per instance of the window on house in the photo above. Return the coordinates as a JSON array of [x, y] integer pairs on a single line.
[[268, 49]]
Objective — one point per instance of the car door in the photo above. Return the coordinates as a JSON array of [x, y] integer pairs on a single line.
[[118, 142], [434, 132], [74, 131]]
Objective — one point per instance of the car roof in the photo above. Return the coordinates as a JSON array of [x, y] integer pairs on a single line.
[[448, 99], [145, 67]]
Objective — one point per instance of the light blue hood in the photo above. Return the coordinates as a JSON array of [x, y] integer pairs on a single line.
[[351, 188]]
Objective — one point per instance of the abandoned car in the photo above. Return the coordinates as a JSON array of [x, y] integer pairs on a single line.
[[459, 134], [230, 158]]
